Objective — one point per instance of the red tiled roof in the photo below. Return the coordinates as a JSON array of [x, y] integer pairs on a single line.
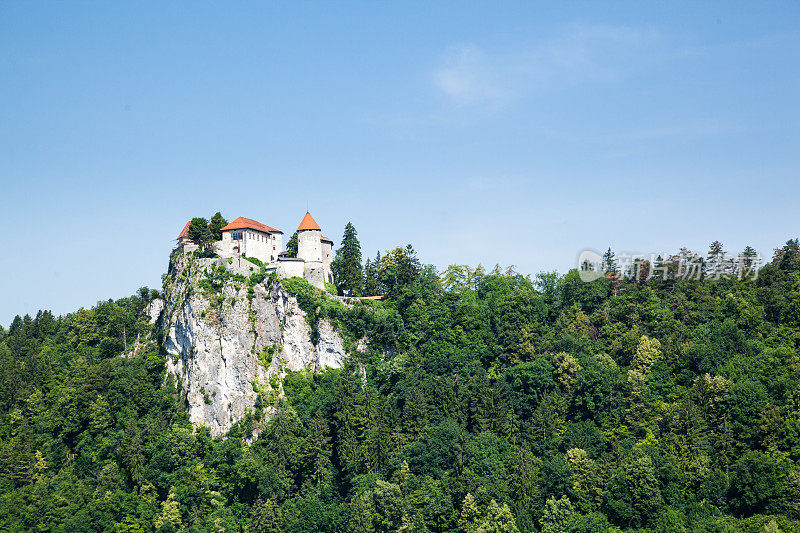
[[324, 238], [308, 223], [184, 234], [249, 223]]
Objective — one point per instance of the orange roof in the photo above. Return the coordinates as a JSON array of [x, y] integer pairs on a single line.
[[249, 223], [308, 223], [324, 238], [184, 234]]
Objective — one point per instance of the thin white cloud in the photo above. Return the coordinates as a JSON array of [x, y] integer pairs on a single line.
[[484, 184], [471, 76]]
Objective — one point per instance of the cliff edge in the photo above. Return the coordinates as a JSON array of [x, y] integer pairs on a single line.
[[231, 332]]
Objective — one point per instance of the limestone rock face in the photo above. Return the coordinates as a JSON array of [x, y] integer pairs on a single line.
[[154, 310], [214, 341]]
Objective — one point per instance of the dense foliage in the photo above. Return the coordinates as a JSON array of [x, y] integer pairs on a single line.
[[203, 233], [482, 402]]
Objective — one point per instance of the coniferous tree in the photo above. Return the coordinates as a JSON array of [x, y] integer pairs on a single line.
[[291, 246], [790, 256], [609, 262], [216, 225], [319, 449], [367, 267], [371, 283], [715, 250], [749, 256], [716, 256], [346, 267]]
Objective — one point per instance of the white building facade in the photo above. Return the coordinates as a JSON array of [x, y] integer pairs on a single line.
[[248, 237]]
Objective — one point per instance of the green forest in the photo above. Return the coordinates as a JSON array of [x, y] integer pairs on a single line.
[[488, 401]]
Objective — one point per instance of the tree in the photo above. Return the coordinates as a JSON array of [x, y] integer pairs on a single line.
[[633, 496], [291, 246], [371, 283], [266, 517], [319, 449], [585, 482], [347, 272], [609, 262], [216, 225], [647, 353], [749, 257], [498, 519], [566, 369], [398, 268], [755, 483], [790, 256], [99, 416], [715, 258], [462, 277], [715, 251], [468, 522], [199, 232], [170, 513], [556, 514], [380, 509]]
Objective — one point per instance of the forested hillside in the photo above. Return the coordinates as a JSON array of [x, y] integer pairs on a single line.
[[486, 402]]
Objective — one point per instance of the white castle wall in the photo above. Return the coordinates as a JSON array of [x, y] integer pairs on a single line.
[[291, 268], [262, 246], [309, 249], [327, 258], [309, 245]]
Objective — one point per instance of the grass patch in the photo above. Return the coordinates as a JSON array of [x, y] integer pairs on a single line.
[[254, 260]]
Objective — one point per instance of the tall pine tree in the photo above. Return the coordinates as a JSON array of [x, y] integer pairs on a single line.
[[609, 262], [715, 260], [346, 267]]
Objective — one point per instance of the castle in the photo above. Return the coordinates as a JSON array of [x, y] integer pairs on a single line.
[[250, 238]]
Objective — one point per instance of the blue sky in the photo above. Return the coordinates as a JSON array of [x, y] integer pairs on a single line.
[[511, 133]]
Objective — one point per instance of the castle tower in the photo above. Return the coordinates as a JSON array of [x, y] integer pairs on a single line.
[[309, 249]]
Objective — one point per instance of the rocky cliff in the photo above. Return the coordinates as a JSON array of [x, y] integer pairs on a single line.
[[231, 333]]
